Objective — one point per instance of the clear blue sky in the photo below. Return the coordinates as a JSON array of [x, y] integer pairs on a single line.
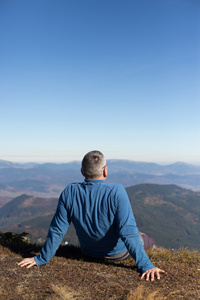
[[121, 76]]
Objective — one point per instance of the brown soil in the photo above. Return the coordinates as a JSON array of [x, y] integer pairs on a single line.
[[71, 275]]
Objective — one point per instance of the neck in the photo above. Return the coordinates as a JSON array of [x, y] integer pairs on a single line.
[[97, 178]]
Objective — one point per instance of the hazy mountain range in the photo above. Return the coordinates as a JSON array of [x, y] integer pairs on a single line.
[[49, 179], [167, 212]]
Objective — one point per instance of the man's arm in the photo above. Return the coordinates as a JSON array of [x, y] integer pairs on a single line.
[[57, 230], [129, 234]]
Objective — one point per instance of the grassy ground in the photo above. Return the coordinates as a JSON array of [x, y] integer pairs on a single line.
[[71, 275]]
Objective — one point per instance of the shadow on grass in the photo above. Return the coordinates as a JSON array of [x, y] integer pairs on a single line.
[[25, 250], [74, 252], [67, 251]]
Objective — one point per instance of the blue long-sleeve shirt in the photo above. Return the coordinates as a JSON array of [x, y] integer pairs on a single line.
[[103, 219]]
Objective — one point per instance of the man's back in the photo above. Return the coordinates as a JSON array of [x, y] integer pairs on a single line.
[[92, 207]]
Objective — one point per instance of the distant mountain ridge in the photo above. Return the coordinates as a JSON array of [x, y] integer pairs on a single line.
[[49, 179], [114, 165], [153, 168]]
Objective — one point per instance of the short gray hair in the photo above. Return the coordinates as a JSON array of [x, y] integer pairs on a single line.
[[93, 164]]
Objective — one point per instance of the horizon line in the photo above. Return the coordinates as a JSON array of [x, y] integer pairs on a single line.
[[108, 159]]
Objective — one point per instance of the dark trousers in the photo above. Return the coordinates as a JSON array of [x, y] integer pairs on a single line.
[[147, 241]]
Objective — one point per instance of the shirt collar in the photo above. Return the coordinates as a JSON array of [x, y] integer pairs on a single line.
[[94, 180]]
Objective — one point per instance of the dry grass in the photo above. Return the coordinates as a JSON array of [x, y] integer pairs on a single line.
[[71, 275], [62, 292], [182, 255], [142, 293]]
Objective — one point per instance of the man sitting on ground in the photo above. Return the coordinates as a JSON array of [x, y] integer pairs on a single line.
[[103, 219]]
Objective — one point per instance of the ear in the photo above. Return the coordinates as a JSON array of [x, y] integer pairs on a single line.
[[82, 172], [105, 172]]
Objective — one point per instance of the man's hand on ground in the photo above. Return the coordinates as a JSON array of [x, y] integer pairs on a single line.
[[29, 262], [151, 273]]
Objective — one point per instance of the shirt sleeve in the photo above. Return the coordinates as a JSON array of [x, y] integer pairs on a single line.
[[57, 230], [129, 232]]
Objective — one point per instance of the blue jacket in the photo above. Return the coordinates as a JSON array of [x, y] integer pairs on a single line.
[[103, 219]]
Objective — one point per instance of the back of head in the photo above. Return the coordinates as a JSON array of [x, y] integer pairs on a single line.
[[93, 164]]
